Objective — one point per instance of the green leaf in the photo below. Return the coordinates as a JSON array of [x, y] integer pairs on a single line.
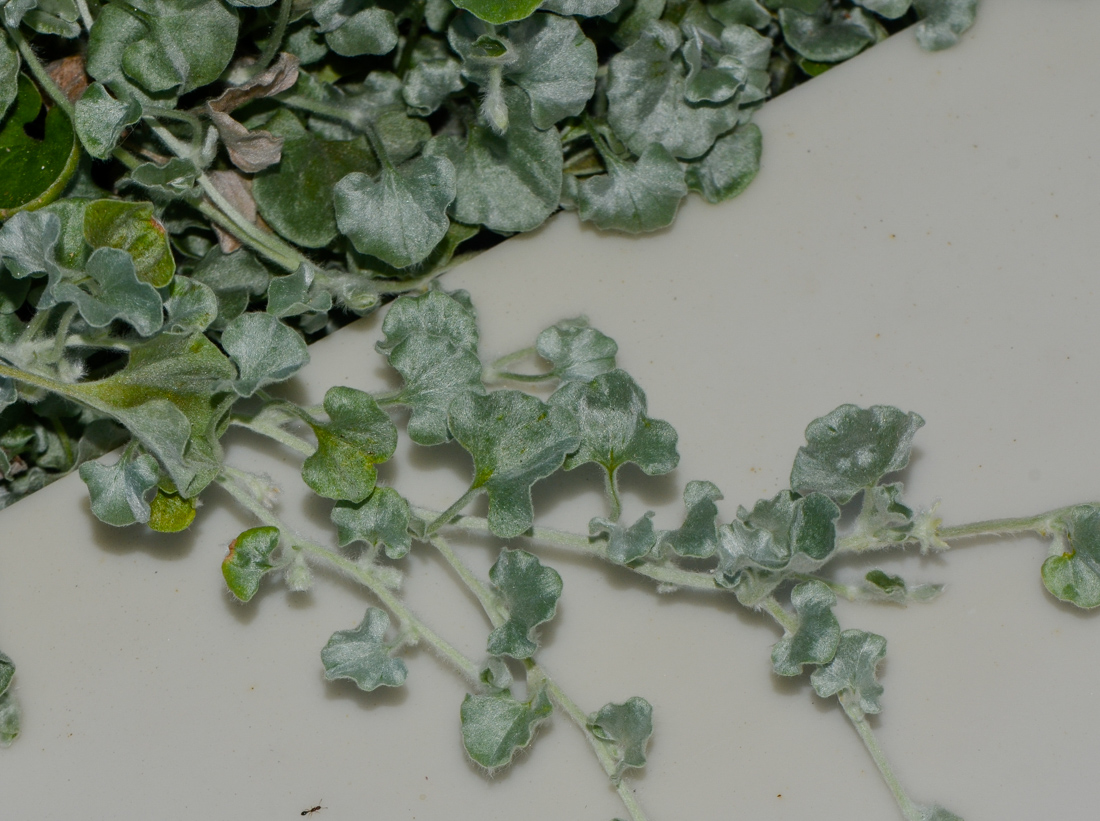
[[355, 27], [33, 171], [246, 563], [883, 518], [827, 38], [401, 216], [431, 340], [434, 76], [363, 655], [170, 512], [531, 593], [117, 293], [7, 672], [9, 719], [295, 294], [852, 448], [514, 440], [9, 75], [495, 727], [546, 55], [191, 307], [176, 178], [852, 670], [943, 21], [626, 728], [131, 227], [626, 544], [740, 12], [890, 9], [499, 11], [615, 430], [881, 586], [784, 531], [118, 492], [1074, 575], [698, 536], [509, 182], [100, 120], [383, 518], [166, 47], [816, 639], [57, 17], [730, 165], [580, 8], [357, 436], [646, 99], [576, 351], [264, 351], [170, 397], [634, 197]]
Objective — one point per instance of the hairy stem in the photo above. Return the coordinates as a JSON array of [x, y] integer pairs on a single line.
[[850, 703]]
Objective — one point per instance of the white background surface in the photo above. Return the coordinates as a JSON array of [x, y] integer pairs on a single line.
[[924, 233]]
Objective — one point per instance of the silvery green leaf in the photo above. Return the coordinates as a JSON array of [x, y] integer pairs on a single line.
[[170, 396], [576, 350], [883, 518], [883, 586], [634, 197], [434, 76], [852, 670], [56, 17], [640, 15], [826, 39], [698, 536], [383, 518], [191, 307], [437, 13], [510, 182], [9, 75], [100, 119], [740, 12], [547, 56], [401, 216], [8, 395], [890, 9], [165, 46], [434, 313], [118, 294], [495, 675], [176, 178], [13, 11], [614, 427], [431, 340], [580, 8], [357, 436], [295, 197], [646, 98], [785, 530], [9, 719], [118, 492], [305, 44], [530, 592], [264, 351], [626, 728], [27, 242], [818, 634], [363, 655], [499, 11], [1074, 575], [356, 27], [805, 6], [247, 561], [132, 227], [730, 165], [626, 544], [852, 448], [943, 21], [7, 672], [495, 727], [515, 440], [294, 294]]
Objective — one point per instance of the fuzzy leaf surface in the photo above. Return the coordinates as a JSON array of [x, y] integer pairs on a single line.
[[698, 536], [615, 430], [627, 728], [495, 727], [358, 435], [576, 351], [131, 227], [383, 518], [852, 448], [853, 669], [118, 492], [626, 544], [818, 634], [531, 593], [821, 39], [730, 165], [363, 655], [515, 440], [943, 22], [100, 120], [1074, 576], [634, 197], [264, 351], [246, 563], [117, 293]]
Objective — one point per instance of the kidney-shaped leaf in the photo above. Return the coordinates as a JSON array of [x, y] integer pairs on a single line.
[[816, 639], [264, 351], [246, 562], [531, 593], [626, 727], [634, 197], [357, 436], [853, 669], [118, 491], [495, 727], [363, 655]]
